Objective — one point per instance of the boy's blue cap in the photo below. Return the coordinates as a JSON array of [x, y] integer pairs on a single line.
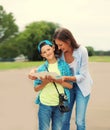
[[46, 42]]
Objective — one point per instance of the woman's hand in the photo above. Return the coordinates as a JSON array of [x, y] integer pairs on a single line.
[[69, 78]]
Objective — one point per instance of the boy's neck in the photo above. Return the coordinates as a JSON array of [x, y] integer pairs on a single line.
[[52, 61]]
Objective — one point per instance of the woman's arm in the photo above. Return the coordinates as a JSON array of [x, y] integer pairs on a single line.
[[82, 67], [66, 84], [69, 78], [63, 83]]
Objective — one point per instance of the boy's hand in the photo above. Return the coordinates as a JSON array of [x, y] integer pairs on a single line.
[[30, 76]]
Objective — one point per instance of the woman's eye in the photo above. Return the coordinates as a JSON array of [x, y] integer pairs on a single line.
[[60, 45]]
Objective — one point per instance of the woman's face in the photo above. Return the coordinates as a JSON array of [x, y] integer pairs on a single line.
[[63, 46], [47, 52]]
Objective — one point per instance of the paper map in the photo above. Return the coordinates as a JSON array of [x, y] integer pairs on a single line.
[[44, 73]]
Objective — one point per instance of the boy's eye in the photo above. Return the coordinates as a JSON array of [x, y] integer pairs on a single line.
[[48, 49]]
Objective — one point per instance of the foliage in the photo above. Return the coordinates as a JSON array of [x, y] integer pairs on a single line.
[[90, 50], [9, 49], [8, 28], [13, 43], [26, 42], [102, 53], [36, 32]]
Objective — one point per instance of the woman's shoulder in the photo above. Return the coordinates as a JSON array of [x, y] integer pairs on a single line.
[[80, 52], [81, 49]]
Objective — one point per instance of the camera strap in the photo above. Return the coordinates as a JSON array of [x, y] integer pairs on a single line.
[[62, 107], [53, 82]]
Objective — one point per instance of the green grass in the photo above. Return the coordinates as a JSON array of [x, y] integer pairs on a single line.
[[19, 65], [99, 59]]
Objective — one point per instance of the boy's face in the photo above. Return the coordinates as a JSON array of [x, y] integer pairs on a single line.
[[47, 52]]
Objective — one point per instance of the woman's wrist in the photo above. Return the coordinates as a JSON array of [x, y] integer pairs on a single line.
[[69, 78], [72, 78]]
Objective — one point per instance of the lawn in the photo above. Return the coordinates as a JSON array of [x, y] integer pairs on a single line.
[[19, 65], [99, 59]]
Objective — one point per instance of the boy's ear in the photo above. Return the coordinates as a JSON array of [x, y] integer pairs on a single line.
[[53, 47], [42, 55]]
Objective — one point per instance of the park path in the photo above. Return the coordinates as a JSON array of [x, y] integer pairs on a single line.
[[18, 111]]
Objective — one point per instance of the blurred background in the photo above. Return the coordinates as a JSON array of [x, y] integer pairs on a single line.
[[24, 23]]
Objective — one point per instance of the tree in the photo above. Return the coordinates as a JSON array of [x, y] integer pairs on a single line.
[[35, 32], [26, 42], [7, 25], [90, 50], [9, 50]]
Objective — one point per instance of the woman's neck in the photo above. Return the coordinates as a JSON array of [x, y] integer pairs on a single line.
[[69, 56], [70, 50]]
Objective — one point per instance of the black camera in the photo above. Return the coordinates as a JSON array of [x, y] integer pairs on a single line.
[[62, 97], [63, 103]]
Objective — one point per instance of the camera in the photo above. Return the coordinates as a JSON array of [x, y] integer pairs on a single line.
[[62, 97], [63, 103]]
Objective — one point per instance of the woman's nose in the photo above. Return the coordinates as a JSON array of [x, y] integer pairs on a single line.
[[59, 47]]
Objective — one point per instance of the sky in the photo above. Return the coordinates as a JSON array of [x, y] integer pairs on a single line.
[[88, 20]]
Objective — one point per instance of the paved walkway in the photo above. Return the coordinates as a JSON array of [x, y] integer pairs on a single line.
[[18, 111]]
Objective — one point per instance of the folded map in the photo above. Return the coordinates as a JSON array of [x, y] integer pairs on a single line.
[[44, 73]]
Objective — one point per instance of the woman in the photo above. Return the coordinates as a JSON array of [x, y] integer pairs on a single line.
[[77, 58], [48, 98]]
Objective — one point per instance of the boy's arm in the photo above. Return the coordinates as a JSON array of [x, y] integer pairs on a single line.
[[42, 85], [30, 75], [60, 81]]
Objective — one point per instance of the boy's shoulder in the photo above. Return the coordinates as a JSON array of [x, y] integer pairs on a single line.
[[41, 67], [62, 62]]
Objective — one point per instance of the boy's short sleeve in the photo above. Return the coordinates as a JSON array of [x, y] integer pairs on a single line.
[[37, 82]]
